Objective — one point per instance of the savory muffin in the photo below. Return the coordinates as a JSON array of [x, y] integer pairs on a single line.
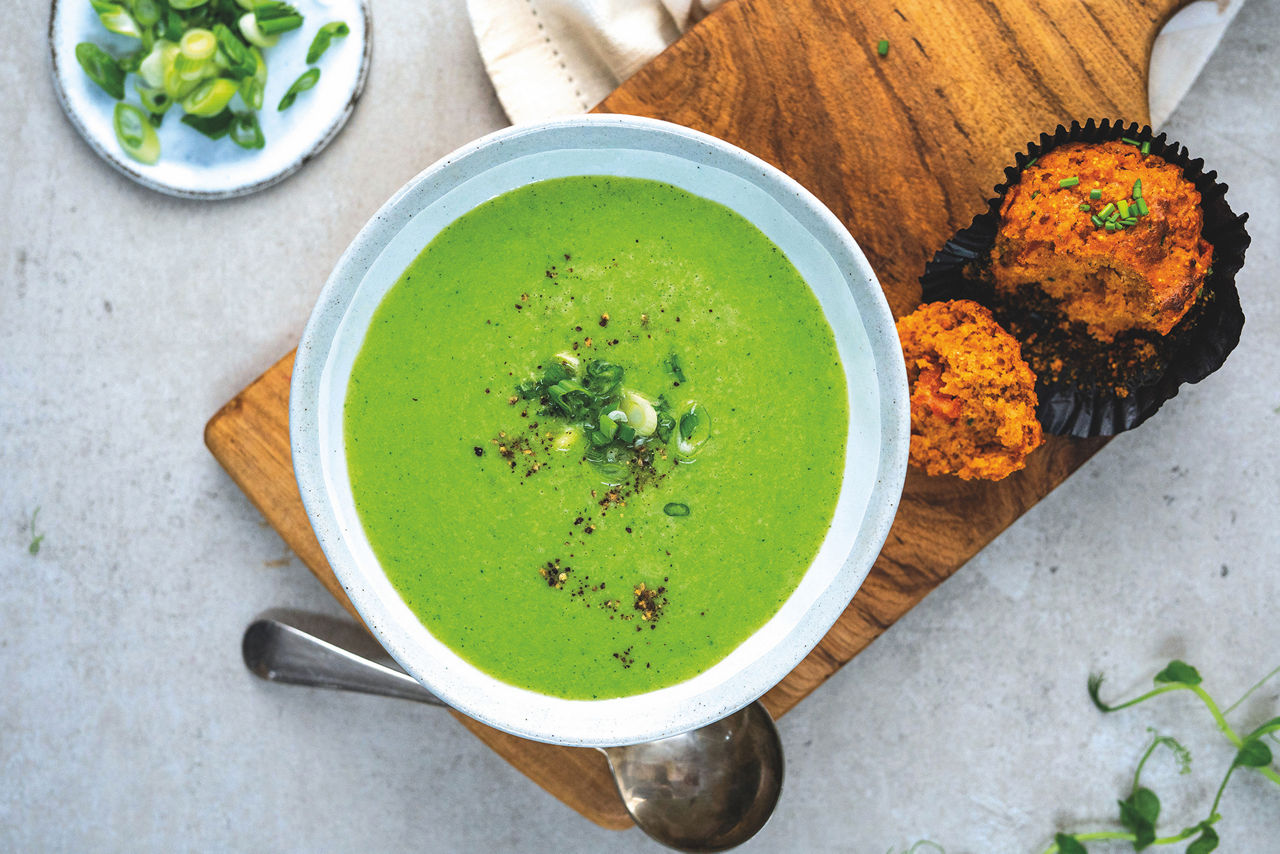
[[1112, 234], [973, 398]]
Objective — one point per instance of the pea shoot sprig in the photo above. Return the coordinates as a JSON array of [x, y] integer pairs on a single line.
[[1140, 811]]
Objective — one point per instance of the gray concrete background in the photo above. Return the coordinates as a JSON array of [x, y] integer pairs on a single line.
[[127, 722]]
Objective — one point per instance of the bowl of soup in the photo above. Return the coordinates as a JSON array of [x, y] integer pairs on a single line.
[[601, 423]]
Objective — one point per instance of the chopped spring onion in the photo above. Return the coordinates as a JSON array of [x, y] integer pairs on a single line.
[[154, 101], [186, 4], [325, 35], [214, 127], [116, 19], [1068, 182], [1128, 140], [1106, 212], [151, 70], [1031, 162], [694, 430], [135, 134], [1085, 208], [1095, 194], [146, 12], [102, 68], [1142, 207], [1137, 189], [210, 97], [304, 82], [1123, 204], [198, 44], [1146, 148], [882, 47], [253, 33], [608, 427], [1096, 220], [640, 413], [246, 132], [676, 508], [274, 18], [253, 88]]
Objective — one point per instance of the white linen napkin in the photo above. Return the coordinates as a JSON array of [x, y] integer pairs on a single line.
[[552, 58]]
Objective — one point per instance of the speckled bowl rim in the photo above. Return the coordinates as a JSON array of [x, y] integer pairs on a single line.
[[689, 704], [137, 172]]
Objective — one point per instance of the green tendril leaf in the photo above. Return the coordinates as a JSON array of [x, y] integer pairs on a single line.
[[1206, 842], [1068, 844], [1138, 814], [1178, 671]]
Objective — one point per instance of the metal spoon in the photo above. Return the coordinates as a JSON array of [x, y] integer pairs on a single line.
[[706, 790]]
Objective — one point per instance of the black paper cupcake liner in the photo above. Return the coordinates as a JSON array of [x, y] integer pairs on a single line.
[[1079, 401]]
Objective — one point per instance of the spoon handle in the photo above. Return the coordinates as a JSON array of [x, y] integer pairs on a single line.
[[282, 653]]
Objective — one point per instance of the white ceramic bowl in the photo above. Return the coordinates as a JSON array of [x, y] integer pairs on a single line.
[[816, 243]]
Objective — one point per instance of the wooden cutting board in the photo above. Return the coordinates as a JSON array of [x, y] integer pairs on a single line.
[[903, 148]]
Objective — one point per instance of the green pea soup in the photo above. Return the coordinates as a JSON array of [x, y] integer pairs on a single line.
[[486, 509]]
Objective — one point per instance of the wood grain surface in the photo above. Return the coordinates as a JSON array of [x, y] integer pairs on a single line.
[[905, 150]]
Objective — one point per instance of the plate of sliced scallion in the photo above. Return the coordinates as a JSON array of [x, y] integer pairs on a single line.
[[209, 99]]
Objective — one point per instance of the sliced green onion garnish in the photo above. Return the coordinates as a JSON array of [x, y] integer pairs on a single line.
[[253, 33], [253, 88], [304, 82], [1106, 212], [214, 127], [198, 44], [1095, 194], [1142, 207], [882, 47], [116, 19], [1085, 208], [135, 134], [154, 101], [186, 4], [246, 132], [151, 70], [1128, 221], [1031, 162], [1146, 148], [608, 427], [676, 508], [210, 97], [626, 433], [274, 18], [238, 60], [1124, 208], [1068, 182], [1128, 141], [1137, 189], [1096, 220], [325, 35], [146, 12], [1111, 226], [102, 68]]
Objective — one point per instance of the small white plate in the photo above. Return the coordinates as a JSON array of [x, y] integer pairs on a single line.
[[191, 165]]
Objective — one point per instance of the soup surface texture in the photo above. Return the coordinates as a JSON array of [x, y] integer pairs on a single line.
[[544, 568]]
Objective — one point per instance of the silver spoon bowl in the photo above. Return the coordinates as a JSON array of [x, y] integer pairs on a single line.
[[710, 789]]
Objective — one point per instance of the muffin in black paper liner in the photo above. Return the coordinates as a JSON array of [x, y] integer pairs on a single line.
[[1097, 389]]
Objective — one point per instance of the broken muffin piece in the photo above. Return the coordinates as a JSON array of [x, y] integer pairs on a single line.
[[973, 398]]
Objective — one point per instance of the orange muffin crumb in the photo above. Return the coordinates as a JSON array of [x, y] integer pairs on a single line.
[[1144, 274], [973, 398]]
